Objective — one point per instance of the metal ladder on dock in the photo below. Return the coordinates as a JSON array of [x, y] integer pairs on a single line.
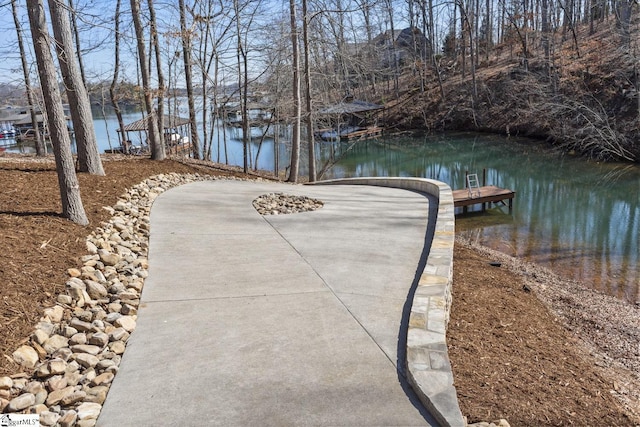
[[473, 185]]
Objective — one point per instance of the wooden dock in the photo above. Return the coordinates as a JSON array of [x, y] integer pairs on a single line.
[[367, 133], [488, 194]]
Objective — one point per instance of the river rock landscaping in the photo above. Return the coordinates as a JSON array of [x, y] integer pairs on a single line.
[[77, 345], [279, 203]]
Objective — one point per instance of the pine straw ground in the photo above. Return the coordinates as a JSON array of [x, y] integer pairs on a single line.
[[511, 357]]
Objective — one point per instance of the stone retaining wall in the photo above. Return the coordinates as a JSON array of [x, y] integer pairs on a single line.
[[427, 365]]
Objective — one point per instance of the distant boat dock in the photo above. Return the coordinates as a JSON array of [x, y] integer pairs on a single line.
[[475, 194], [363, 133]]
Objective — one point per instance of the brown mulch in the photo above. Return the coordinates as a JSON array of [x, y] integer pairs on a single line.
[[511, 358], [37, 245]]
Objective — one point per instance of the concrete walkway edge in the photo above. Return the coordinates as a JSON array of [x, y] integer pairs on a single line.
[[428, 368]]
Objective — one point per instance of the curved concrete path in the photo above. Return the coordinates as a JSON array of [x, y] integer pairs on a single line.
[[282, 320]]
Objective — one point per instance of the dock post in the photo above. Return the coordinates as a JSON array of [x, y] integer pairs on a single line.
[[466, 185], [484, 184]]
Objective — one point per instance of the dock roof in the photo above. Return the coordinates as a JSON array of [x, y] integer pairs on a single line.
[[142, 125]]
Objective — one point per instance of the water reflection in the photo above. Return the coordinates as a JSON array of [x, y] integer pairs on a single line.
[[579, 218]]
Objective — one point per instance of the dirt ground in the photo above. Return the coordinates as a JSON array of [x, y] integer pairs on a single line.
[[511, 357]]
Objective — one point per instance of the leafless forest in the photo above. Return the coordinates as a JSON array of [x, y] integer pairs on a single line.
[[561, 70]]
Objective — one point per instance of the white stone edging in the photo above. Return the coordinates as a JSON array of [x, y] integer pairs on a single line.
[[76, 348]]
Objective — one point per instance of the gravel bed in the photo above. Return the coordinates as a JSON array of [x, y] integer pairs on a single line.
[[280, 203]]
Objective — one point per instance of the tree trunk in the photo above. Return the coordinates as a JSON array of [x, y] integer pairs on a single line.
[[186, 55], [463, 46], [365, 8], [68, 181], [87, 147], [76, 35], [114, 81], [307, 81], [623, 18], [295, 138], [473, 57], [468, 24], [241, 87], [488, 30], [159, 153], [396, 64], [203, 59], [432, 32], [156, 143], [545, 37], [475, 40], [40, 146]]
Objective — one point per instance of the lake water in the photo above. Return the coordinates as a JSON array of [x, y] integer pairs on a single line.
[[577, 217]]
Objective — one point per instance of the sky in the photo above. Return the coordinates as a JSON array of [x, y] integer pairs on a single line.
[[97, 42], [96, 25]]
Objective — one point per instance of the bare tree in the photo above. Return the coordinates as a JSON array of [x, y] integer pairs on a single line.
[[242, 60], [214, 23], [155, 42], [592, 131], [157, 145], [68, 181], [186, 55], [396, 63], [545, 37], [40, 146], [245, 15], [467, 25], [76, 35], [307, 81], [623, 9], [205, 60], [116, 74], [87, 147], [297, 110]]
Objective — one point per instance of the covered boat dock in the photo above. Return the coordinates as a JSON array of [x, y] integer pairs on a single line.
[[175, 134], [350, 120]]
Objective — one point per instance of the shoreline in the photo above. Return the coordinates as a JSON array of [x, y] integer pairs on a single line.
[[608, 328]]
